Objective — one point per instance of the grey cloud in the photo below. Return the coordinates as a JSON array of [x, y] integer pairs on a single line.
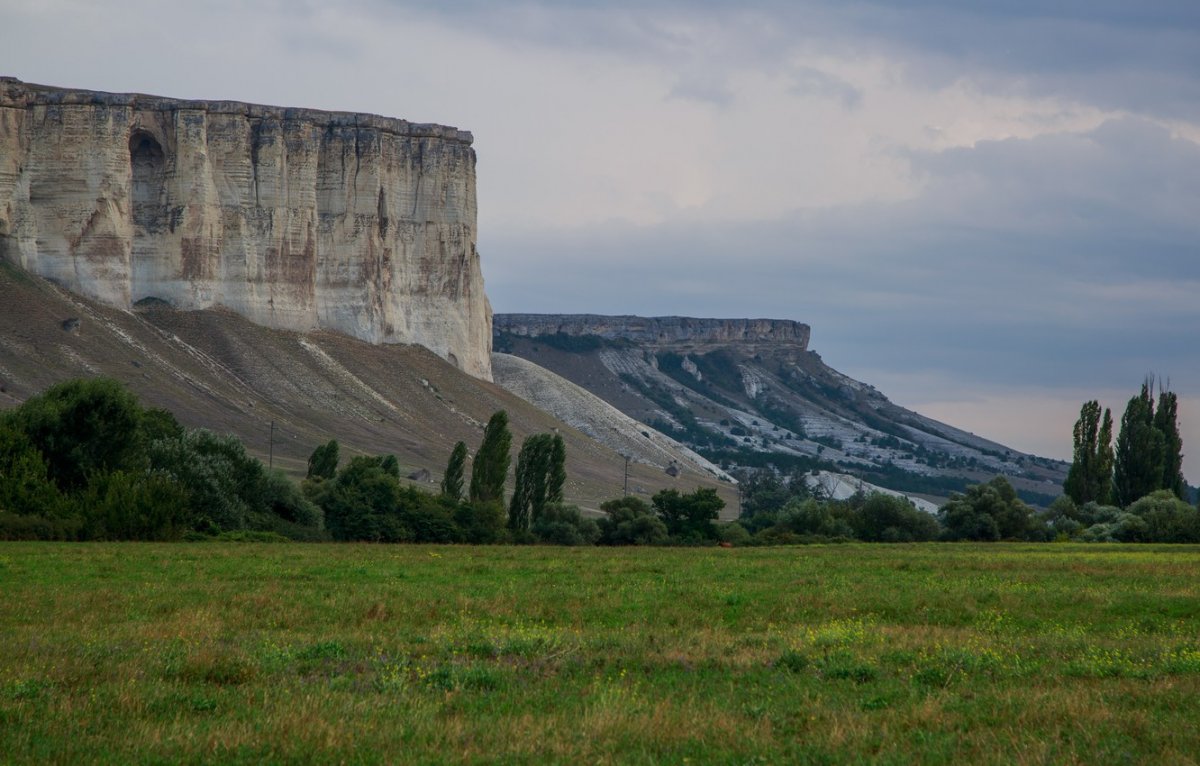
[[808, 81], [1023, 261], [1143, 57]]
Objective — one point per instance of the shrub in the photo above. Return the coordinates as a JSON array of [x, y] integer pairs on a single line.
[[629, 521], [565, 525]]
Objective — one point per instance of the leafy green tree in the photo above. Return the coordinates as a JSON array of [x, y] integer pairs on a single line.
[[890, 519], [83, 427], [124, 506], [1165, 518], [482, 523], [690, 516], [220, 480], [559, 524], [1104, 461], [390, 465], [362, 503], [1139, 458], [990, 511], [532, 481], [556, 479], [491, 461], [630, 521], [1090, 476], [452, 481], [25, 485], [323, 462], [1166, 423]]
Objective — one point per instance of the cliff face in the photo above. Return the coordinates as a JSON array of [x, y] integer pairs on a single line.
[[296, 219], [652, 331], [749, 393]]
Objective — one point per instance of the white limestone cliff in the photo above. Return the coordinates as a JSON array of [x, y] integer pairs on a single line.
[[295, 218]]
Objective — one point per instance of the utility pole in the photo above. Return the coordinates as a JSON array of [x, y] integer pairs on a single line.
[[626, 475], [271, 448]]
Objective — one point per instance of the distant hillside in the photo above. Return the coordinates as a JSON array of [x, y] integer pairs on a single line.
[[747, 393], [218, 370]]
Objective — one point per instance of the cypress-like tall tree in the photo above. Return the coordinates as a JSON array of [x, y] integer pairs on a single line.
[[452, 481], [557, 480], [1166, 423], [533, 468], [492, 461], [1083, 478], [1104, 460], [1138, 468], [323, 462]]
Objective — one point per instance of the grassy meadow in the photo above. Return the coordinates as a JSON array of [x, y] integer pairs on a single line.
[[933, 653]]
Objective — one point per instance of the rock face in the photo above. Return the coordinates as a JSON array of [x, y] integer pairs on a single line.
[[652, 331], [294, 218]]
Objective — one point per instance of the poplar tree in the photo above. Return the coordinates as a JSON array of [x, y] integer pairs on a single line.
[[557, 480], [533, 480], [1166, 423], [491, 461], [1084, 477], [452, 481], [323, 462], [1104, 460], [1138, 468]]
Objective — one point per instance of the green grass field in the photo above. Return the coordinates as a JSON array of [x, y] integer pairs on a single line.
[[128, 653]]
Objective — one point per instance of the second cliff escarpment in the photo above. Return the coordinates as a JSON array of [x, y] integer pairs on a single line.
[[297, 219], [672, 331]]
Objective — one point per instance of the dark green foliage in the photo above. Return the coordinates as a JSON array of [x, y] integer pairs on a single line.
[[560, 524], [1166, 519], [390, 466], [452, 481], [280, 497], [891, 519], [1166, 423], [431, 518], [491, 461], [556, 478], [482, 522], [534, 474], [764, 492], [122, 506], [25, 485], [361, 503], [89, 463], [83, 427], [690, 517], [811, 517], [223, 484], [629, 521], [323, 462], [990, 511], [1139, 459], [1105, 458], [1090, 476]]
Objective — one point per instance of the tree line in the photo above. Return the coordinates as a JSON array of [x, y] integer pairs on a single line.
[[85, 461]]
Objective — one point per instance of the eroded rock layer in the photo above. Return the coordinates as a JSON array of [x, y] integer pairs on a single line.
[[654, 331], [295, 218]]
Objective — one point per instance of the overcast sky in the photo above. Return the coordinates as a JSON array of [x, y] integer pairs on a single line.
[[990, 214]]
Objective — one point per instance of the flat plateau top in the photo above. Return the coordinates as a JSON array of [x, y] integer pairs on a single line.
[[17, 94]]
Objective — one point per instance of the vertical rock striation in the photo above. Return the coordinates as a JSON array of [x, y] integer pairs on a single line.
[[295, 218]]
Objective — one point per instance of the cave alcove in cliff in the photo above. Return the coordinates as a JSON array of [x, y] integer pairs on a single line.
[[147, 161]]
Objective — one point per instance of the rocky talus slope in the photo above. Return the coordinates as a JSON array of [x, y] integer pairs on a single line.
[[215, 369], [296, 219], [751, 393]]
